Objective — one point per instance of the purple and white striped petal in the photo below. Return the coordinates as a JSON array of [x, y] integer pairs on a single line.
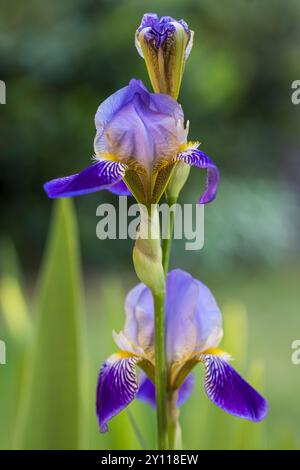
[[146, 390], [229, 391], [117, 387], [199, 159], [101, 175]]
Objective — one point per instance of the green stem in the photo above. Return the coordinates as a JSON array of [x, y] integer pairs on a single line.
[[160, 370], [167, 242], [174, 431]]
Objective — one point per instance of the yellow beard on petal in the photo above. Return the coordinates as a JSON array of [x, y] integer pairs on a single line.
[[106, 156], [188, 146], [217, 352]]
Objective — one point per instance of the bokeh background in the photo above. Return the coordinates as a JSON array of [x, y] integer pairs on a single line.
[[59, 61]]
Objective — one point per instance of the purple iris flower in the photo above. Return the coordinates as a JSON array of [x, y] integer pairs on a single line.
[[193, 328], [139, 140]]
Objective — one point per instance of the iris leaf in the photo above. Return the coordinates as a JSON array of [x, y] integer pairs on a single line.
[[51, 415]]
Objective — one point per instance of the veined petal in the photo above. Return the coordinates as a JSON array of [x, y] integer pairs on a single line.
[[110, 107], [137, 126], [120, 189], [146, 390], [195, 157], [193, 318], [181, 300], [139, 325], [228, 390], [117, 386], [100, 175]]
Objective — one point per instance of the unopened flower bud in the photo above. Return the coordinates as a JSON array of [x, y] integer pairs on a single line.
[[147, 254], [165, 44], [178, 179]]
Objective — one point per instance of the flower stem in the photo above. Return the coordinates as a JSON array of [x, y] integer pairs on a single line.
[[174, 430], [167, 242], [160, 371]]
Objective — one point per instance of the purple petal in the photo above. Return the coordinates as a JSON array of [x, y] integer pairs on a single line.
[[139, 324], [110, 107], [181, 300], [101, 175], [117, 387], [228, 390], [146, 390], [194, 157], [160, 29], [193, 318], [186, 389], [136, 125], [120, 189]]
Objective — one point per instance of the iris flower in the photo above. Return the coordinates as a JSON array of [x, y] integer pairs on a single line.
[[193, 331], [139, 140]]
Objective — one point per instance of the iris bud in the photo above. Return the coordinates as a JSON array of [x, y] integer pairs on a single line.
[[178, 179], [165, 44], [147, 253]]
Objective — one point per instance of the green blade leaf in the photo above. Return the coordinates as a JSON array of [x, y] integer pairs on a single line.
[[50, 417], [13, 305]]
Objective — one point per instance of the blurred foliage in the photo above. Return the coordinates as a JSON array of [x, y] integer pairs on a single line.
[[51, 401], [61, 59]]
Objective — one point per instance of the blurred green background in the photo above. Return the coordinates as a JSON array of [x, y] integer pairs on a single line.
[[59, 61]]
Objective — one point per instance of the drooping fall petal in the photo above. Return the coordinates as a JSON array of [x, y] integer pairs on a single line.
[[199, 159], [117, 387], [229, 391], [100, 175]]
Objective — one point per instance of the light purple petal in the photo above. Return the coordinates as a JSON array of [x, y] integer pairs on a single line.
[[199, 159], [146, 390], [117, 387], [207, 318], [139, 324], [110, 107], [101, 175], [181, 300], [228, 390], [193, 318], [134, 124]]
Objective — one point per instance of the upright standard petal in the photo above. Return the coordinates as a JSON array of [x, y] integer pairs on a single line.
[[229, 391], [181, 300], [136, 126], [146, 390], [144, 131], [117, 387], [100, 175], [208, 319], [139, 324], [193, 318], [199, 159]]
